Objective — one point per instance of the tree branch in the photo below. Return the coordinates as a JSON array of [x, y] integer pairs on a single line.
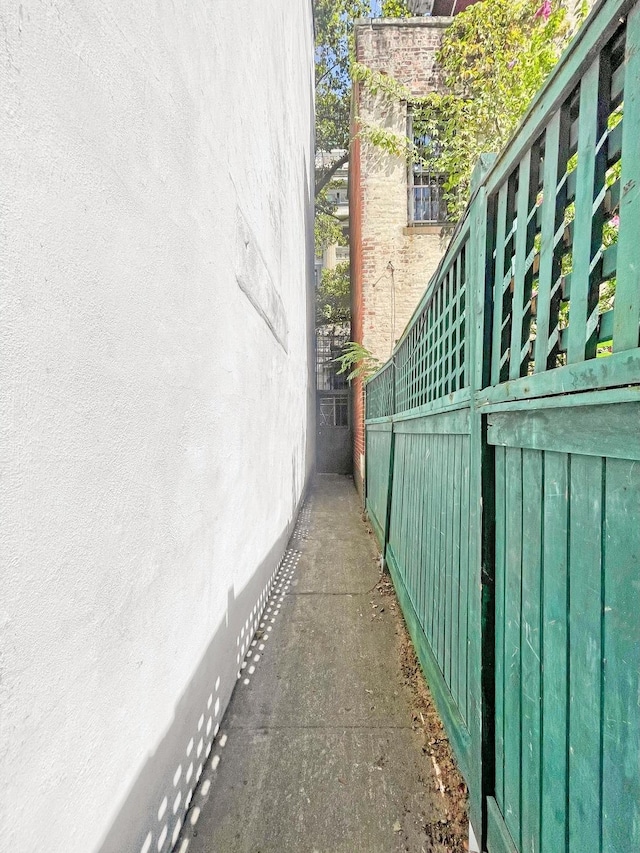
[[328, 71], [325, 177]]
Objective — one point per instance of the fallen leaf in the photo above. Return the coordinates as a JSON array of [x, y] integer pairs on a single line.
[[397, 827]]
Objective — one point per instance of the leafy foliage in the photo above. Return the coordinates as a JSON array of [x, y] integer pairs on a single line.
[[334, 58], [327, 231], [494, 57], [395, 9], [357, 362], [334, 45], [327, 227], [333, 300], [334, 21]]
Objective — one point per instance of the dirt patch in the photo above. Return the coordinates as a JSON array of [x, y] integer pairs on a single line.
[[448, 831]]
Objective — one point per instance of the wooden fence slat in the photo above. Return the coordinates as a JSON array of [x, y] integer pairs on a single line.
[[587, 133], [464, 324], [388, 482], [626, 318], [499, 594], [459, 331], [435, 532], [442, 554], [423, 360], [424, 553], [480, 665], [532, 487], [446, 369], [554, 783], [453, 545], [433, 586], [498, 279], [417, 499], [431, 479], [621, 368], [406, 486], [412, 475], [432, 351], [467, 582], [420, 503], [578, 429], [585, 645], [512, 639], [426, 561], [448, 543], [397, 502], [621, 709], [517, 315], [440, 517], [546, 273], [456, 592], [423, 456]]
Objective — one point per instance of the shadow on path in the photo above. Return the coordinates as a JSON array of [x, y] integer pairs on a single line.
[[320, 750]]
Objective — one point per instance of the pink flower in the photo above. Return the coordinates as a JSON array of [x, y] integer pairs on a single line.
[[615, 221], [511, 64], [544, 11]]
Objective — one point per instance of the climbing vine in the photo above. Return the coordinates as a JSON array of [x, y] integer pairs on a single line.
[[493, 59]]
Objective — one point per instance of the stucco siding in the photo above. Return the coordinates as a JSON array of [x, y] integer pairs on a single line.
[[155, 263]]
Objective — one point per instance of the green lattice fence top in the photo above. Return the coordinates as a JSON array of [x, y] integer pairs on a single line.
[[561, 239], [429, 363], [380, 393], [556, 221], [430, 359]]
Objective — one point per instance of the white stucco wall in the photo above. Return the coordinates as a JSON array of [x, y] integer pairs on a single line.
[[155, 165]]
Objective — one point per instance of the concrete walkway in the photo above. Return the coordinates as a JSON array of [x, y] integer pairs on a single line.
[[318, 751]]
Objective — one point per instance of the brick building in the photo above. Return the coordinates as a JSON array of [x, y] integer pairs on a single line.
[[398, 220]]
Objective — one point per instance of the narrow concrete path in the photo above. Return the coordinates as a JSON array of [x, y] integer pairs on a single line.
[[318, 751]]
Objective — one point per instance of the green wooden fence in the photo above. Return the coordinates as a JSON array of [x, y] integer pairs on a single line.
[[502, 448]]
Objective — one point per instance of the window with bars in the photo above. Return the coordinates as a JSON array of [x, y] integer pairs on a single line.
[[426, 193], [334, 411], [426, 196], [329, 345]]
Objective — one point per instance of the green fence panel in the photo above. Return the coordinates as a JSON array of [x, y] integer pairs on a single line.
[[379, 439], [503, 442], [565, 589], [429, 519]]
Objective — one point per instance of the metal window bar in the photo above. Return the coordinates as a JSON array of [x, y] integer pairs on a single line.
[[426, 197], [334, 411], [329, 344]]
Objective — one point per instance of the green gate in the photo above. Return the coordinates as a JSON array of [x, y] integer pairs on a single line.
[[503, 475]]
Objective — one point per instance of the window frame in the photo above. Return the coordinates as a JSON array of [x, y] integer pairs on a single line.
[[433, 180]]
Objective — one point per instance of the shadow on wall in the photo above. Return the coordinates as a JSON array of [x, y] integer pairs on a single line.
[[154, 811]]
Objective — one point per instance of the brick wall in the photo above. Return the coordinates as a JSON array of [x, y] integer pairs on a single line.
[[397, 261], [391, 262], [403, 48], [355, 219]]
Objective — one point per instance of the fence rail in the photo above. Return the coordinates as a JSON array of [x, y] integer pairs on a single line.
[[502, 442]]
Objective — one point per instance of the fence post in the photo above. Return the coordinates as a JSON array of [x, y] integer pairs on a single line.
[[365, 474], [480, 289], [387, 517]]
